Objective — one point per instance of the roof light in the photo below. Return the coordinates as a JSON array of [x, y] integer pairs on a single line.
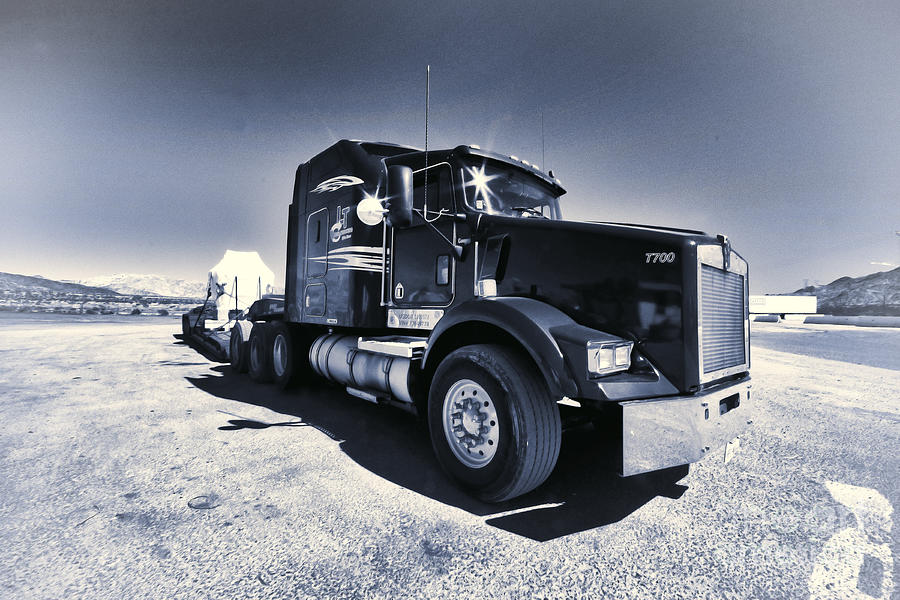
[[476, 146], [526, 163], [514, 157]]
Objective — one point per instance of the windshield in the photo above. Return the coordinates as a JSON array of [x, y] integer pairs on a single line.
[[499, 189]]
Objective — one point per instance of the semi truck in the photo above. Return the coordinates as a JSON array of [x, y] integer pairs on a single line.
[[446, 283]]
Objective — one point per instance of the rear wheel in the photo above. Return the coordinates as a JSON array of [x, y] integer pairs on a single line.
[[494, 427], [260, 354], [185, 325], [238, 348], [287, 355]]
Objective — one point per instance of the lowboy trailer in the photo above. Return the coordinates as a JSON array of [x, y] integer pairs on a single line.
[[447, 283]]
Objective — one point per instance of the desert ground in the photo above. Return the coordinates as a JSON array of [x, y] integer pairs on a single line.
[[133, 467]]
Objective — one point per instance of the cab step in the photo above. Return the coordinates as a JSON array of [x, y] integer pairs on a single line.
[[395, 345]]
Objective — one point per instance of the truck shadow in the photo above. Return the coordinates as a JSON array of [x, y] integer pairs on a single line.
[[582, 493]]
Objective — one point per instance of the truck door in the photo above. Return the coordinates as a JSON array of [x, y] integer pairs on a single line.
[[316, 263], [422, 265]]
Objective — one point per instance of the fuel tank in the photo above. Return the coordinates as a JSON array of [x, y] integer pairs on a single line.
[[337, 358]]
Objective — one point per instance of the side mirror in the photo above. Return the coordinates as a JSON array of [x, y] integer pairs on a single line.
[[400, 196]]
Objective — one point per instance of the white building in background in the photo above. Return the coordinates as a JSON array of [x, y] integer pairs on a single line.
[[238, 280], [783, 305]]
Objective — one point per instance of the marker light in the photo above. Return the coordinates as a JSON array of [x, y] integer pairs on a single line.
[[604, 358], [370, 210]]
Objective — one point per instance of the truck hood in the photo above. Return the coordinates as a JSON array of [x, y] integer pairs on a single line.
[[634, 281], [601, 228], [651, 227]]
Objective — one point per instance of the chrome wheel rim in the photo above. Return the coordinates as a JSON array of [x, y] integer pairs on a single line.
[[470, 423], [279, 354]]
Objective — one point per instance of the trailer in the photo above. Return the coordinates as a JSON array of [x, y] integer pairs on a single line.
[[446, 283], [234, 283]]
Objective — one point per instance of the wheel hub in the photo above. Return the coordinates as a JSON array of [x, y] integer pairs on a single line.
[[470, 423]]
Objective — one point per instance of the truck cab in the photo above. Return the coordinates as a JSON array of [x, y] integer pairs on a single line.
[[449, 284]]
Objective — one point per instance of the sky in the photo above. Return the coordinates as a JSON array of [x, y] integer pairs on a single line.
[[149, 137]]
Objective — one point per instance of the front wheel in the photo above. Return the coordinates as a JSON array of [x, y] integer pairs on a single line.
[[494, 427]]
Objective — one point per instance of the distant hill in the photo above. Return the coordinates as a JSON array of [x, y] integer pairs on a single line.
[[22, 284], [875, 294], [114, 288], [148, 285]]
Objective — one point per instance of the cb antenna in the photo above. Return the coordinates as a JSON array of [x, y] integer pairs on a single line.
[[543, 160], [427, 94]]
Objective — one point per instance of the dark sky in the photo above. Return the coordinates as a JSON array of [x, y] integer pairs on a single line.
[[148, 137]]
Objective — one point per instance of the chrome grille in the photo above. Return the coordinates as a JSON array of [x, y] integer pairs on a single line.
[[722, 319]]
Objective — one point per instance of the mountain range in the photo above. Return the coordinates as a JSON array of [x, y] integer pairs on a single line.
[[13, 284], [874, 294], [148, 285], [108, 287]]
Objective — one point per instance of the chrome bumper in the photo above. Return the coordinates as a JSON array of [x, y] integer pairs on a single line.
[[666, 432]]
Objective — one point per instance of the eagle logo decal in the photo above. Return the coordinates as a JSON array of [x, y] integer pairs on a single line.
[[336, 183]]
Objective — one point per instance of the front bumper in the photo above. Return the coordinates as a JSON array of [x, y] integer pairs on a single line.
[[666, 432]]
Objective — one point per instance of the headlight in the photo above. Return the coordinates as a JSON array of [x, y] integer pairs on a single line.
[[608, 357]]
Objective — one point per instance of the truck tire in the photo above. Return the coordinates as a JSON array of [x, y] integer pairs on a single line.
[[259, 362], [287, 355], [494, 427], [185, 325], [238, 348]]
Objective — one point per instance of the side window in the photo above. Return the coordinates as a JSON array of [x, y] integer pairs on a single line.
[[317, 243], [440, 192]]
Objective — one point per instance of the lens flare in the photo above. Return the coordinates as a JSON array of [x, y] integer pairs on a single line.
[[479, 179]]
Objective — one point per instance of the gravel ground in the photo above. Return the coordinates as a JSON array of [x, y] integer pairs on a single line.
[[132, 467]]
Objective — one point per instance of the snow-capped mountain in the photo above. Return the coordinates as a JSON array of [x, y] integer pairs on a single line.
[[148, 285], [41, 287]]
